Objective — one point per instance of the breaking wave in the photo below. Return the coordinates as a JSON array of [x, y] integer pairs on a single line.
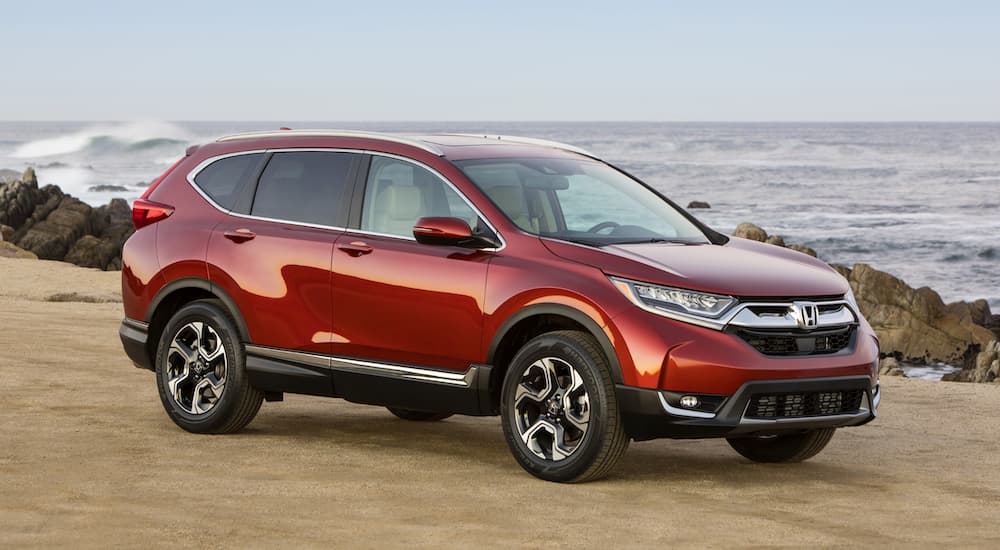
[[133, 136]]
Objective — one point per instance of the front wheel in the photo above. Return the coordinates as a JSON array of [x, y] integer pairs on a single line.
[[559, 410], [200, 371], [783, 448]]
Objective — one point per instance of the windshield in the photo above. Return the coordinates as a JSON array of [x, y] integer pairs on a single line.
[[581, 201]]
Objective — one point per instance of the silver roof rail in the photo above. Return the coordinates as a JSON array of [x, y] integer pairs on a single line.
[[430, 148], [532, 141]]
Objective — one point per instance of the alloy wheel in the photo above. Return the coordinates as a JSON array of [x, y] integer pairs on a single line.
[[552, 409], [196, 368]]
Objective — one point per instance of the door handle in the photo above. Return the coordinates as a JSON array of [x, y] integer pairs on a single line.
[[239, 235], [355, 248]]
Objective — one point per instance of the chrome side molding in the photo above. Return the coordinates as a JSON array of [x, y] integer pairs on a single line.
[[376, 368]]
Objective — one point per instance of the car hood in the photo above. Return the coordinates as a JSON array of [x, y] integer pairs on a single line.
[[738, 268]]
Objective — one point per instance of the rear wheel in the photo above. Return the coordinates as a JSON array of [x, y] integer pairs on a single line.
[[559, 409], [783, 448], [200, 371], [418, 416]]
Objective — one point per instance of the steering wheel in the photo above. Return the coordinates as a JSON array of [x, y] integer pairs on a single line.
[[602, 226]]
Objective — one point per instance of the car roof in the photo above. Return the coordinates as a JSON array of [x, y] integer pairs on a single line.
[[452, 146]]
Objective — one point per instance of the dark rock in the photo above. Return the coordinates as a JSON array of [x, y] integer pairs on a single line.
[[23, 203], [983, 367], [750, 231], [776, 240], [699, 204], [6, 233], [52, 237], [107, 189], [802, 249], [90, 251]]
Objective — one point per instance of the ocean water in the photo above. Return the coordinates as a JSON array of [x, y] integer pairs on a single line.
[[920, 200]]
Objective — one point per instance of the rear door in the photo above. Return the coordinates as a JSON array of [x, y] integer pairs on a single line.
[[398, 301], [273, 254]]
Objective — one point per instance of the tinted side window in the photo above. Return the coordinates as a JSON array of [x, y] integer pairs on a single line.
[[304, 187], [399, 192], [221, 180]]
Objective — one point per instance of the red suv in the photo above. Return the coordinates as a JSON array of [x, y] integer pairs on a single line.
[[482, 275]]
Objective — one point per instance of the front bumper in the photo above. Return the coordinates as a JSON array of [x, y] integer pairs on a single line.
[[649, 414], [134, 335]]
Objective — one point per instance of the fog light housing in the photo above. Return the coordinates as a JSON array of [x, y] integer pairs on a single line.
[[689, 402]]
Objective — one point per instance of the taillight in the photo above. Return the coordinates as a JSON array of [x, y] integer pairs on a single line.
[[161, 178], [145, 212]]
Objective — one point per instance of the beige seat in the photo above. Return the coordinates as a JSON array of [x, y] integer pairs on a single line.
[[510, 199], [396, 209]]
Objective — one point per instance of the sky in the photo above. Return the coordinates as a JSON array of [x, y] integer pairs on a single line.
[[622, 60]]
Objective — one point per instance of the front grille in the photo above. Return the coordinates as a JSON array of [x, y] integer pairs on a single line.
[[792, 343], [797, 405]]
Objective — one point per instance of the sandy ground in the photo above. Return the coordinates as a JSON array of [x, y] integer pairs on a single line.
[[88, 459]]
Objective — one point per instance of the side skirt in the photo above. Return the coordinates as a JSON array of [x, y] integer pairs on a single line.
[[370, 382]]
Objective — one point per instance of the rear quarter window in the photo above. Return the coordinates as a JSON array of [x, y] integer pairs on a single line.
[[224, 179]]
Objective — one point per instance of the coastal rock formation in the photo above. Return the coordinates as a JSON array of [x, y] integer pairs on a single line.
[[54, 226], [889, 366], [750, 231], [755, 233], [699, 204], [914, 324], [984, 367]]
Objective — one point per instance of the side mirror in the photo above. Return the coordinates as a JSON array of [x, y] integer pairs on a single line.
[[449, 232]]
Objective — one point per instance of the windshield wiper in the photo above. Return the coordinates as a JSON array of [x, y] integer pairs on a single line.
[[653, 240]]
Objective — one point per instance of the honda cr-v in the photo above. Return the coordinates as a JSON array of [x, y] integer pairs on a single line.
[[482, 275]]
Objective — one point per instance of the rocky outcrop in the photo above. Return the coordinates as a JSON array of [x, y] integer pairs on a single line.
[[755, 233], [914, 324], [889, 366], [54, 226], [750, 231], [699, 204], [983, 367]]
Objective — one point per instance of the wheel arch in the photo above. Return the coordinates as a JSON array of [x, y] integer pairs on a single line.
[[175, 295], [536, 319]]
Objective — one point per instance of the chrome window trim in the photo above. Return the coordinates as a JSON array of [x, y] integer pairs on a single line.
[[739, 315], [335, 133], [205, 163], [378, 368]]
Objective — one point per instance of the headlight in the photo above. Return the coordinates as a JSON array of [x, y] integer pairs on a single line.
[[852, 300], [668, 299]]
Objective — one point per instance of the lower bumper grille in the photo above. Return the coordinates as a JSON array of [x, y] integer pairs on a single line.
[[798, 405]]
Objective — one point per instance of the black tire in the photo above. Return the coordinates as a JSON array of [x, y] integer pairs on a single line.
[[237, 402], [418, 416], [783, 448], [603, 441]]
